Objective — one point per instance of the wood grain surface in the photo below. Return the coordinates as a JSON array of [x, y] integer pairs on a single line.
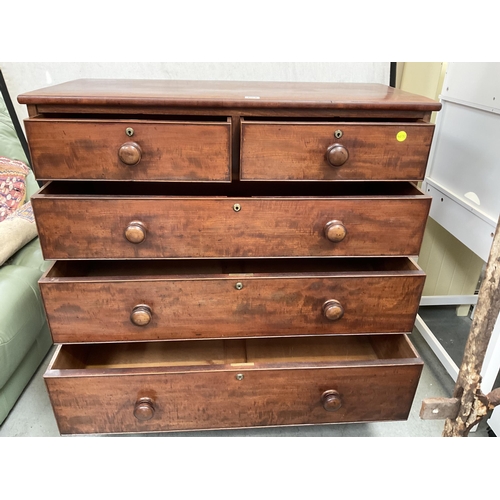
[[297, 151], [89, 149], [92, 227], [195, 306], [116, 93]]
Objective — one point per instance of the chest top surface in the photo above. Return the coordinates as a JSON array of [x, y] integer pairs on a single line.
[[228, 94]]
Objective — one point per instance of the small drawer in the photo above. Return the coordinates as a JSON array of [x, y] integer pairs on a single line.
[[334, 151], [163, 386], [116, 301], [103, 220], [130, 149]]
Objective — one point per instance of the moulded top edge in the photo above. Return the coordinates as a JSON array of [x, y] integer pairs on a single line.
[[331, 95]]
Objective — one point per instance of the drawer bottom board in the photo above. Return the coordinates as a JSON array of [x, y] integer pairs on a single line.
[[154, 387]]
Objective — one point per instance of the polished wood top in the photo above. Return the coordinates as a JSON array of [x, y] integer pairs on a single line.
[[230, 94]]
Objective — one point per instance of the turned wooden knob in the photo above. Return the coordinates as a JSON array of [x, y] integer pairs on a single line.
[[144, 409], [135, 232], [333, 310], [335, 231], [331, 400], [336, 155], [130, 153], [141, 315]]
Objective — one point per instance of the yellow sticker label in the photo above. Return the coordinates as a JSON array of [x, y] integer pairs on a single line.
[[401, 136]]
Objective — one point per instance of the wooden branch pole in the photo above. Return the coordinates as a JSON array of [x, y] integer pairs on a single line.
[[468, 405]]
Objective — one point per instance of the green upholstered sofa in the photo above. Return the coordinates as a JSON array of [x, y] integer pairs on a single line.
[[24, 335]]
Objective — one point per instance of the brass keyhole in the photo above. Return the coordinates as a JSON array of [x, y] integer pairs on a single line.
[[129, 131], [338, 134], [236, 207]]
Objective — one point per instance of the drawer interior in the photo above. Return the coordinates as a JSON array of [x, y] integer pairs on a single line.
[[158, 269], [231, 354], [236, 189]]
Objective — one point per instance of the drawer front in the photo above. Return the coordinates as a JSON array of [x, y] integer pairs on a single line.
[[155, 150], [131, 228], [128, 308], [311, 151], [156, 399]]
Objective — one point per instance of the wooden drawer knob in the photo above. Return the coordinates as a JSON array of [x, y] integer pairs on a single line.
[[335, 231], [336, 155], [331, 400], [333, 310], [130, 153], [144, 409], [135, 232], [141, 315]]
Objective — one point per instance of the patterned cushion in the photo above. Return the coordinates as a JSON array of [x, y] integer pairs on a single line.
[[16, 230], [12, 185]]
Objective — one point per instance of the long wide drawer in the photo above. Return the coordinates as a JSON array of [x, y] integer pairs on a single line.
[[130, 149], [334, 151], [162, 386], [113, 301], [83, 220]]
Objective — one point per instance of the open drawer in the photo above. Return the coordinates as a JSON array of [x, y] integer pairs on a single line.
[[116, 301], [123, 220], [161, 386]]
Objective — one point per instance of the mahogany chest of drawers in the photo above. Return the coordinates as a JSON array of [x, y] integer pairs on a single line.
[[229, 254]]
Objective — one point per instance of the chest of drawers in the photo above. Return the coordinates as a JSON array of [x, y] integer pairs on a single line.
[[229, 254]]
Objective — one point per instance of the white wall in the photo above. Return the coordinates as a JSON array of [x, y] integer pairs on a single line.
[[24, 76]]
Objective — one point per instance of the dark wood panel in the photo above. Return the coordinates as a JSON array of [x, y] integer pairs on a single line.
[[99, 149], [299, 151], [101, 404], [60, 111], [240, 305], [80, 228], [116, 93]]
